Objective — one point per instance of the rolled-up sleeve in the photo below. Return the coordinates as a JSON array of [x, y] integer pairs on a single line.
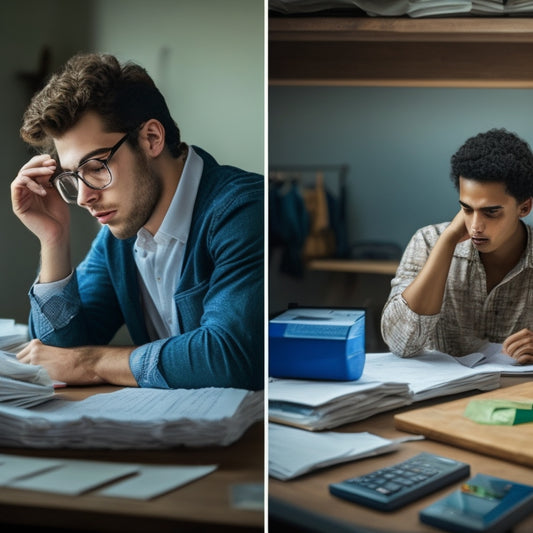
[[406, 332]]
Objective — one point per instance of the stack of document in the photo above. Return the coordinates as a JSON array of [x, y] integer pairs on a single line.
[[12, 335], [518, 7], [23, 385], [388, 382], [392, 8], [317, 405], [293, 452], [135, 418], [431, 375]]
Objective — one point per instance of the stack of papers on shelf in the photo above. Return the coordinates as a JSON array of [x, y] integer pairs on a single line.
[[12, 335], [293, 452], [518, 7], [438, 8], [135, 418], [388, 382], [23, 385], [488, 7], [392, 8]]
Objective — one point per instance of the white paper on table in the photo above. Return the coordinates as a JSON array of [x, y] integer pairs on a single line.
[[16, 467], [154, 480], [492, 359], [75, 477], [293, 452], [315, 392], [428, 372]]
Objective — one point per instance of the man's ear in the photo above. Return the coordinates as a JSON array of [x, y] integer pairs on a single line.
[[152, 137], [525, 207]]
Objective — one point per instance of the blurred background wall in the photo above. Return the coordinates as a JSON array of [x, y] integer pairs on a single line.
[[206, 56]]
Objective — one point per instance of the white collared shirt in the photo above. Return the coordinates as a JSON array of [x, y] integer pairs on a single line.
[[159, 258]]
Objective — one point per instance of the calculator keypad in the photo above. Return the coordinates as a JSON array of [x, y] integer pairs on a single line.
[[397, 485], [393, 479]]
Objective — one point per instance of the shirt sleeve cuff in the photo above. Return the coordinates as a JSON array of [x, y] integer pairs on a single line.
[[44, 291], [144, 365], [56, 308]]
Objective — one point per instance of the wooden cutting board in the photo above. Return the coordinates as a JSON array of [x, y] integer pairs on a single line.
[[445, 423]]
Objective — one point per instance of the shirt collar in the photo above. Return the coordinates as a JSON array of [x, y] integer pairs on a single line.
[[529, 247], [177, 221]]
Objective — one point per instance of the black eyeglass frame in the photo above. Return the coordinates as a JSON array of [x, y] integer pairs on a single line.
[[77, 175]]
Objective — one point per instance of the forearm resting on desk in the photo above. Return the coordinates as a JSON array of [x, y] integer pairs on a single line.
[[82, 365]]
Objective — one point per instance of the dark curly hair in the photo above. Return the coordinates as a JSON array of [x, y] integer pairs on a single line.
[[496, 156], [124, 96]]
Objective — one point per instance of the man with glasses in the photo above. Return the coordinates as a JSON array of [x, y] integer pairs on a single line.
[[179, 258]]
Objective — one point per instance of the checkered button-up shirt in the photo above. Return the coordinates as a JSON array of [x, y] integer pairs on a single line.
[[469, 316]]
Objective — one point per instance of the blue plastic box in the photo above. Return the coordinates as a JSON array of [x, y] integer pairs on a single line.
[[317, 343]]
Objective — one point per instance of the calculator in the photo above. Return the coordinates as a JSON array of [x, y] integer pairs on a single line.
[[394, 486]]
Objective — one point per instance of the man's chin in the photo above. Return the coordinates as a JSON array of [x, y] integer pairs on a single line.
[[122, 233]]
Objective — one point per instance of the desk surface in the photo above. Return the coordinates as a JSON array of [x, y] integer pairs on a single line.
[[306, 501], [203, 505]]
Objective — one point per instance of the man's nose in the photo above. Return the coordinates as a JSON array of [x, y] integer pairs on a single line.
[[86, 195], [477, 223]]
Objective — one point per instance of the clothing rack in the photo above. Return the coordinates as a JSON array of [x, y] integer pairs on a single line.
[[306, 175], [302, 173], [332, 178]]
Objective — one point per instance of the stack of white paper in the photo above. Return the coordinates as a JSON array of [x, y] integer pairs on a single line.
[[487, 7], [135, 418], [388, 382], [12, 335], [325, 404], [23, 385], [391, 8], [430, 375], [518, 7], [293, 452]]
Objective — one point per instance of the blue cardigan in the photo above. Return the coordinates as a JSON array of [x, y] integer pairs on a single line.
[[219, 297]]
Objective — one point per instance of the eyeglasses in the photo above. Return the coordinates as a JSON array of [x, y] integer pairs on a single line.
[[95, 173]]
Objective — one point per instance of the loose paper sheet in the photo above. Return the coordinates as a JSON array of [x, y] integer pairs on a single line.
[[152, 481], [75, 477]]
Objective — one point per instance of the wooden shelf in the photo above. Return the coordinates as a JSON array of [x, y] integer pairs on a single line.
[[354, 266], [367, 51]]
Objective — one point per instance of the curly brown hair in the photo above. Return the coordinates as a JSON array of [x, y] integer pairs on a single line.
[[497, 155], [124, 96]]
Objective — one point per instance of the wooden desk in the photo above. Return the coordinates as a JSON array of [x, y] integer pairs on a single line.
[[203, 505], [307, 503]]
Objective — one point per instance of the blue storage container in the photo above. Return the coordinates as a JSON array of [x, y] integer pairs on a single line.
[[317, 343]]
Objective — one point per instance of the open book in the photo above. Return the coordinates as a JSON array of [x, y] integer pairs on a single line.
[[388, 382]]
